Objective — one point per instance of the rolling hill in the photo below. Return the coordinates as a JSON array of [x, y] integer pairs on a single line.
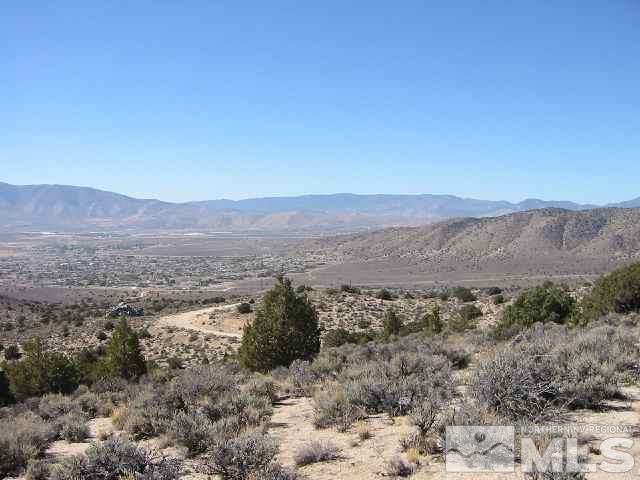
[[546, 242]]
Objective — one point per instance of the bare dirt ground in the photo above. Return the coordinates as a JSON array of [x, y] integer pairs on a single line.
[[292, 425], [221, 320]]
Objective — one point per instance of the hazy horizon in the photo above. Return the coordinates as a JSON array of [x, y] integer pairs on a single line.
[[276, 195]]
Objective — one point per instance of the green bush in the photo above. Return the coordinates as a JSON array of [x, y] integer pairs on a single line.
[[463, 294], [40, 372], [12, 352], [545, 303], [6, 397], [617, 292], [337, 337], [384, 294], [465, 318], [244, 308], [124, 356], [392, 322], [433, 324], [346, 288], [285, 329]]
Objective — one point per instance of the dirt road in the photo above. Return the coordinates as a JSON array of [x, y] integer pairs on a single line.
[[221, 320]]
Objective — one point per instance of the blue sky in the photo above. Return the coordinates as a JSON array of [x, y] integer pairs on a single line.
[[186, 100]]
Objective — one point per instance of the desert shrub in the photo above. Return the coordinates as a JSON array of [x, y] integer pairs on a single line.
[[498, 299], [332, 409], [384, 294], [398, 467], [432, 322], [124, 356], [55, 405], [617, 292], [198, 404], [377, 378], [364, 323], [274, 471], [149, 412], [22, 439], [392, 322], [192, 430], [545, 303], [465, 318], [247, 409], [594, 363], [244, 308], [262, 386], [115, 459], [87, 401], [459, 358], [426, 416], [285, 329], [72, 427], [38, 470], [337, 337], [520, 385], [463, 294], [346, 288], [363, 430], [394, 386], [315, 452], [238, 458], [175, 363], [12, 352], [552, 368], [298, 378], [40, 372], [494, 291]]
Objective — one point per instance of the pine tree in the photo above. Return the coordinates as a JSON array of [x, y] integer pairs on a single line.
[[285, 329], [6, 397], [124, 356], [40, 372]]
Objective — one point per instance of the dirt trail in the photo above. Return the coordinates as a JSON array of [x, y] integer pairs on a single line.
[[292, 425], [226, 322]]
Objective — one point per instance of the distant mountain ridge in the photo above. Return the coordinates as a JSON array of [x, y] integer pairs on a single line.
[[70, 207], [536, 241]]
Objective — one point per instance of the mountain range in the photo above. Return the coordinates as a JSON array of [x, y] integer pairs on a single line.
[[62, 207]]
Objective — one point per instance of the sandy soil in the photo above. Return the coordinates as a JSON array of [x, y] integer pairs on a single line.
[[221, 320], [292, 425], [62, 448]]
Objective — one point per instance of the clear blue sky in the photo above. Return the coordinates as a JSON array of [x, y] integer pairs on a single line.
[[186, 100]]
